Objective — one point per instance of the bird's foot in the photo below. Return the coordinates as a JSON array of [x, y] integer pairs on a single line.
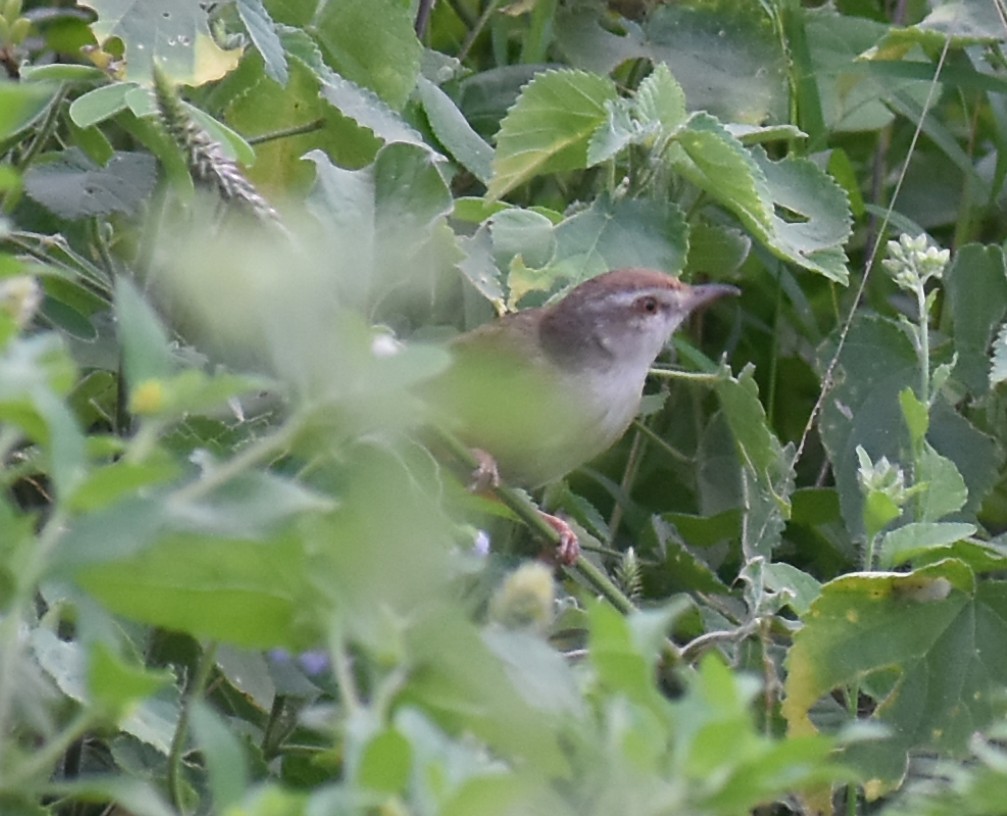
[[485, 476], [568, 550]]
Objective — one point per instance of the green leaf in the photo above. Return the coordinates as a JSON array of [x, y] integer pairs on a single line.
[[767, 466], [660, 99], [240, 591], [454, 132], [74, 187], [146, 354], [910, 541], [152, 720], [622, 665], [611, 234], [100, 104], [727, 56], [945, 491], [706, 153], [998, 365], [351, 99], [617, 132], [935, 628], [385, 763], [916, 415], [106, 485], [222, 752], [21, 103], [549, 128], [372, 43], [173, 33], [115, 686], [262, 31], [976, 286], [811, 219]]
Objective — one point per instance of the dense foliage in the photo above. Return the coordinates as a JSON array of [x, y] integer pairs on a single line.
[[237, 577]]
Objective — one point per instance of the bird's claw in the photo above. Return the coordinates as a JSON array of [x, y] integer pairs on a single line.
[[567, 551], [485, 476]]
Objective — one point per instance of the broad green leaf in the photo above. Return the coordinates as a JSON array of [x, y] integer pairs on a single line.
[[463, 685], [622, 666], [107, 484], [935, 628], [711, 158], [144, 340], [226, 766], [976, 286], [797, 589], [74, 187], [716, 249], [246, 592], [383, 221], [945, 491], [140, 798], [670, 537], [151, 719], [727, 56], [549, 128], [811, 221], [35, 374], [385, 763], [913, 540], [21, 103], [351, 99], [262, 31], [174, 33], [372, 43], [611, 234], [767, 467], [454, 132], [100, 104], [116, 686], [255, 105], [876, 364]]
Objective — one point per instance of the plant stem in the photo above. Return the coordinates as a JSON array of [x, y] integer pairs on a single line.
[[203, 671], [477, 29]]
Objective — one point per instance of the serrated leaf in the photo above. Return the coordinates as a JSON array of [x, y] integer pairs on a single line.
[[371, 43], [618, 131], [661, 99], [945, 491], [549, 127], [74, 187], [454, 132], [712, 159], [811, 220], [173, 33], [355, 101], [976, 285], [767, 467], [998, 364], [262, 32]]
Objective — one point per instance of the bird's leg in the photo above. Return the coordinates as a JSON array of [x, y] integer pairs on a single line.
[[568, 550], [485, 478]]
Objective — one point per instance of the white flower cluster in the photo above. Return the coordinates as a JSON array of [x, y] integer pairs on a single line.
[[913, 261]]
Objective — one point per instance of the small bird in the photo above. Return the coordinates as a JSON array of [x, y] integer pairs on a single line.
[[545, 390]]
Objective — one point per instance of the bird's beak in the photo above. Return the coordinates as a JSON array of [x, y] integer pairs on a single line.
[[705, 293]]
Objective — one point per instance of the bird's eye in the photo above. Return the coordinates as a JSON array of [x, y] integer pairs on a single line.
[[647, 305]]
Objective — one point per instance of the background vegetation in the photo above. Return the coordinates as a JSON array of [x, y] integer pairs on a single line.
[[234, 579]]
